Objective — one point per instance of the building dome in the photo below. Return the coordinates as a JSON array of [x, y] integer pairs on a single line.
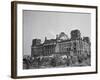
[[63, 36]]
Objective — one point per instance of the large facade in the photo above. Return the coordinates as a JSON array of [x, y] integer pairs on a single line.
[[74, 46]]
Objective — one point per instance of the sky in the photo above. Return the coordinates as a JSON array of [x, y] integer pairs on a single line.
[[41, 24]]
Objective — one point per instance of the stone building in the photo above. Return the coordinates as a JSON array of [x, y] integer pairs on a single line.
[[49, 47], [74, 46], [36, 48]]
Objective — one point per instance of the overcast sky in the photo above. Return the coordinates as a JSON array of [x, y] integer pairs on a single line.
[[38, 24]]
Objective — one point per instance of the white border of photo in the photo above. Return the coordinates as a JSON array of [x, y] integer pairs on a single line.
[[31, 72]]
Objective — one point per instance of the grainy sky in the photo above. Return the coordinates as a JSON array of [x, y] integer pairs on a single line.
[[38, 24]]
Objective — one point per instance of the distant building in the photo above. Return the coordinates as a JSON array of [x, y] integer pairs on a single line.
[[74, 46]]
